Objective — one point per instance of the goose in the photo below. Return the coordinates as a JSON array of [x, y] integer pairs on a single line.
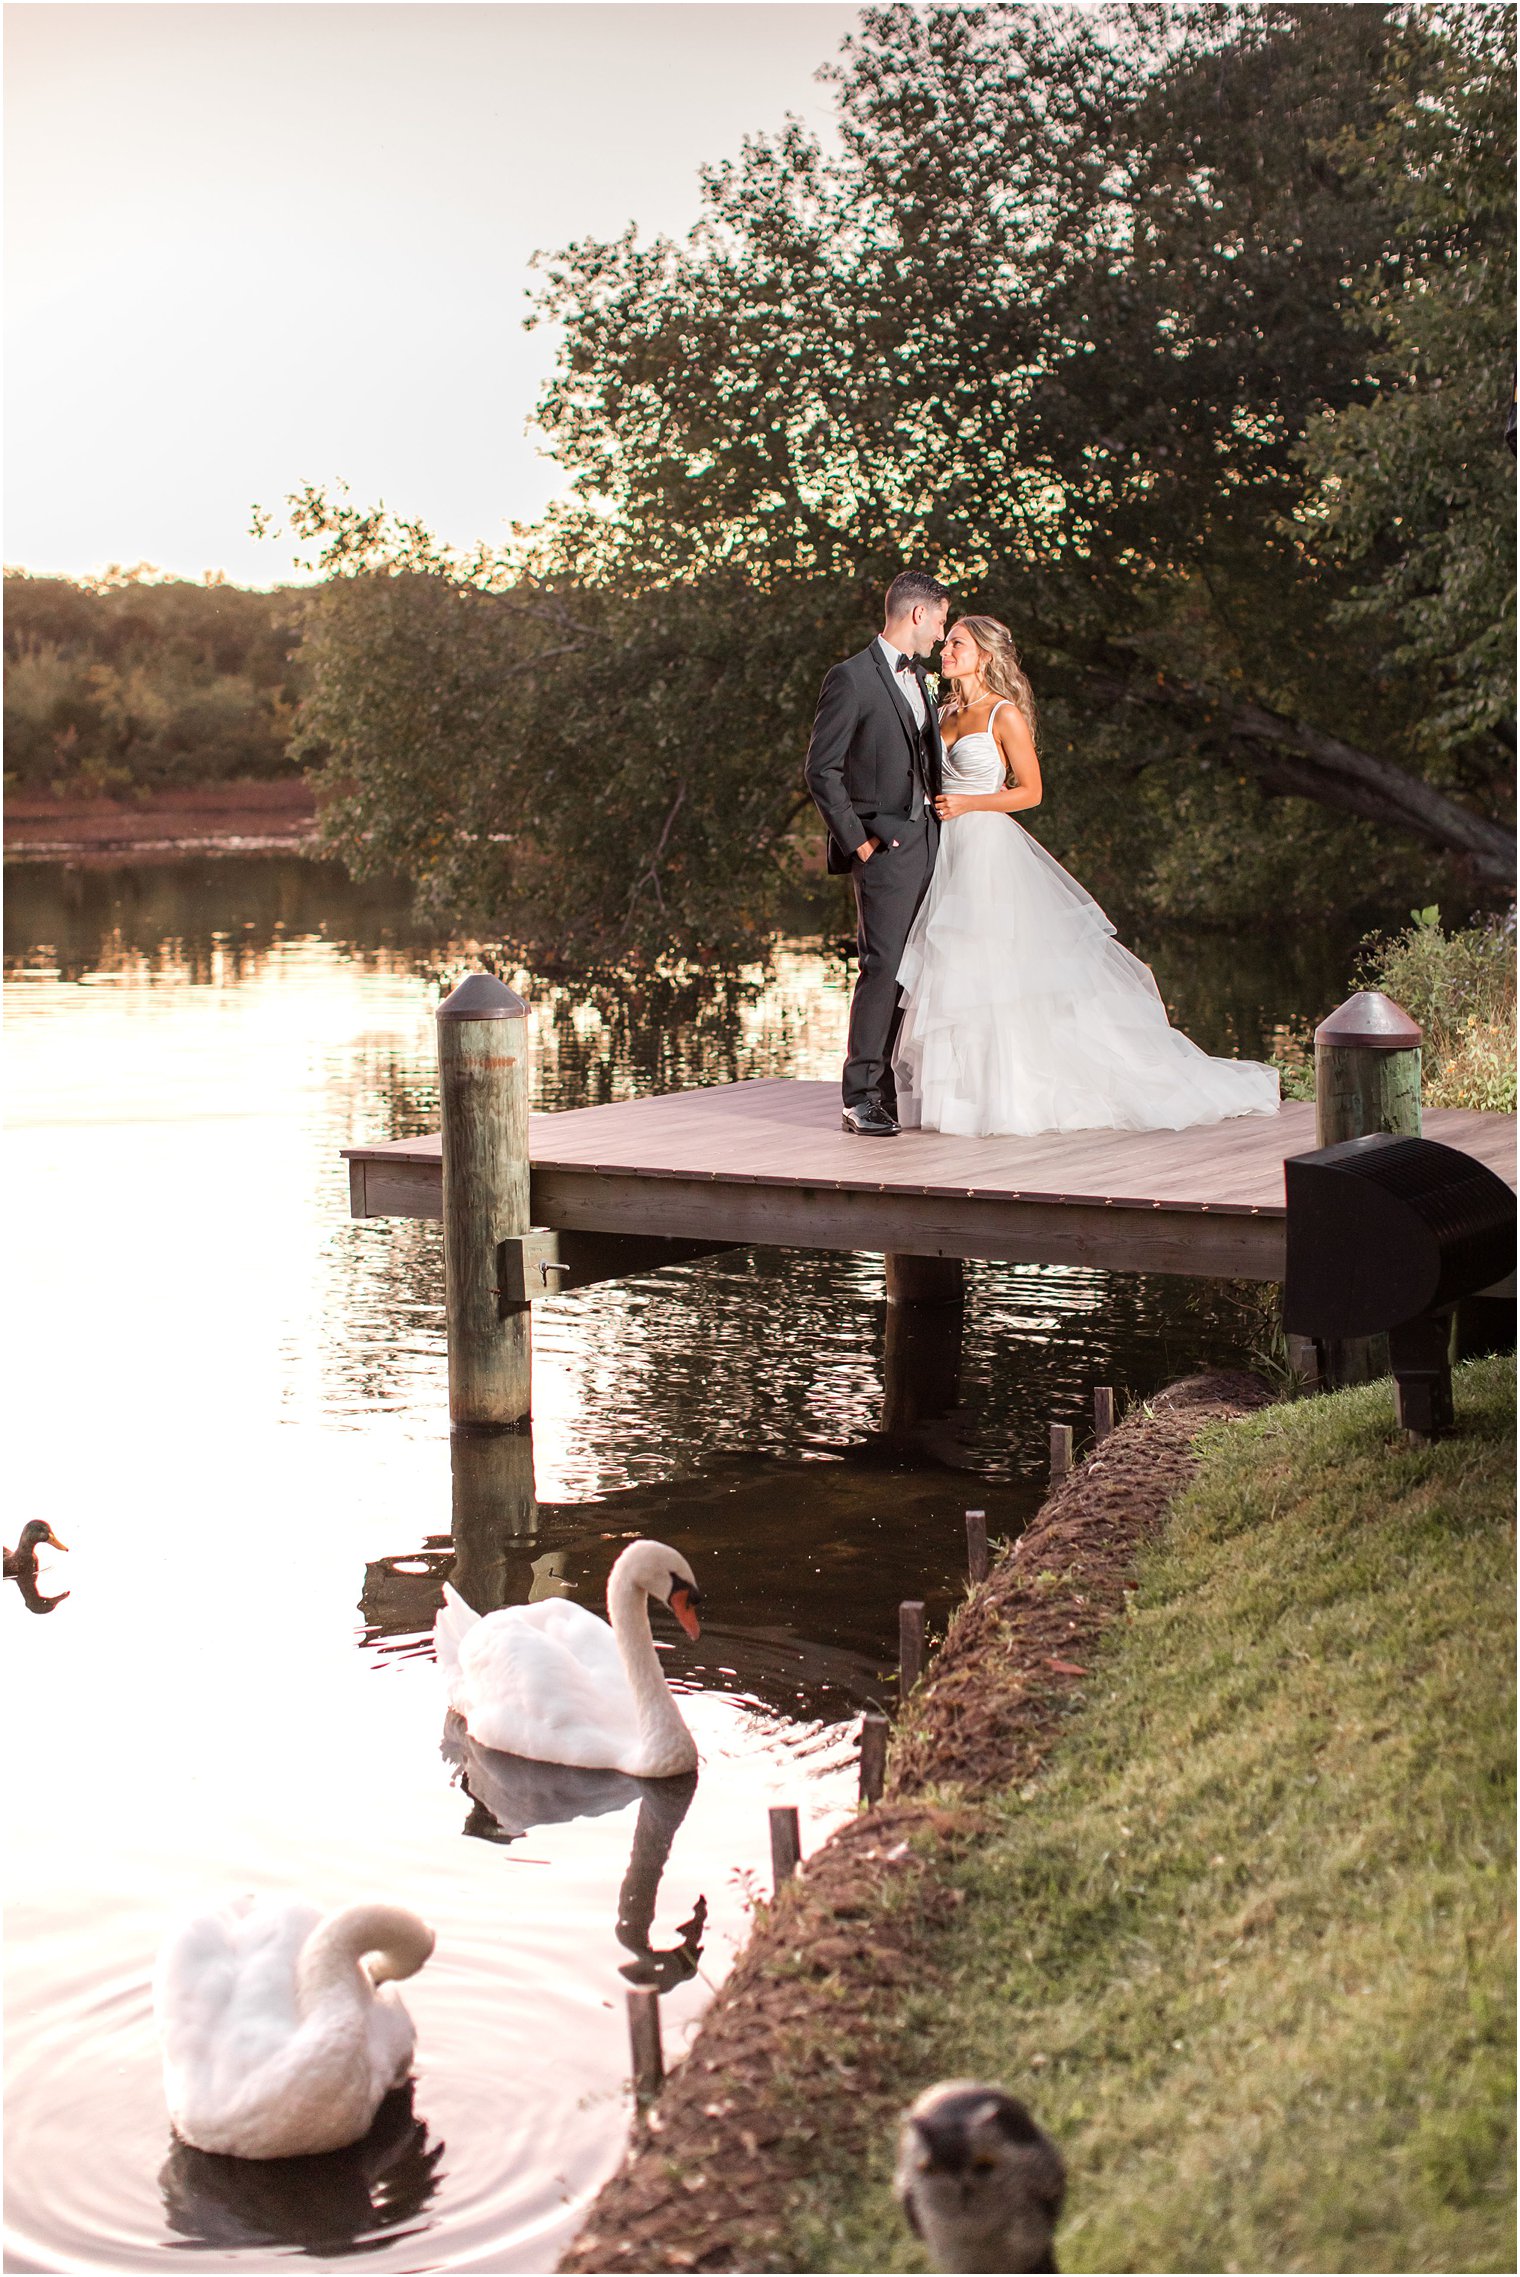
[[281, 2031], [22, 1559], [978, 2180], [553, 1682]]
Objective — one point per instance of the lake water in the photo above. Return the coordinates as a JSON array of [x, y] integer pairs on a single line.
[[229, 1399]]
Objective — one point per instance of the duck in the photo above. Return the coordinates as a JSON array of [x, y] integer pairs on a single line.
[[23, 1558], [281, 2028], [553, 1682], [981, 2183]]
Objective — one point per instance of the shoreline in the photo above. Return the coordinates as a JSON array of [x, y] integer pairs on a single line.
[[805, 2001], [237, 817], [1232, 1904]]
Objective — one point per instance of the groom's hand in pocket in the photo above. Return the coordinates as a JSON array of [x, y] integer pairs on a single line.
[[864, 853]]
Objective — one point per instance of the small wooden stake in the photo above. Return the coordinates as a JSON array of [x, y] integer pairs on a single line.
[[644, 2039], [910, 1645], [873, 1757], [976, 1544], [1060, 1452], [786, 1843], [1103, 1411]]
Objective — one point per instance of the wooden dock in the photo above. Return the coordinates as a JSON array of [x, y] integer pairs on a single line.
[[738, 1163]]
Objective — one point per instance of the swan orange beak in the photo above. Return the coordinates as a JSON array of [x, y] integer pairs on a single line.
[[683, 1603]]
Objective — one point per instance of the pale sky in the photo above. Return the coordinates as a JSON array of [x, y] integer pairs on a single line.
[[253, 245]]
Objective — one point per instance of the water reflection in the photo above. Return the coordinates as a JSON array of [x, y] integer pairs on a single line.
[[511, 1794], [488, 1555], [663, 1806], [802, 1564], [31, 1596], [921, 1374], [495, 1514], [342, 2202], [518, 1792]]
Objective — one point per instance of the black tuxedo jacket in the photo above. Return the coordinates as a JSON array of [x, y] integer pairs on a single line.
[[860, 760]]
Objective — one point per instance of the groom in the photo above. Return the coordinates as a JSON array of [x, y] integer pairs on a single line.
[[873, 767]]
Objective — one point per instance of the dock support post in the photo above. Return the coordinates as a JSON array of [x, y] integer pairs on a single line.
[[1103, 1412], [1060, 1452], [1366, 1079], [483, 1094], [976, 1545], [924, 1280]]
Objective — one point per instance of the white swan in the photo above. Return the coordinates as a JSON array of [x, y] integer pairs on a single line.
[[279, 2038], [553, 1682]]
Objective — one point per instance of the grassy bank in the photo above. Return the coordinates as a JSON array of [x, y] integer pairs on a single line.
[[1245, 1945]]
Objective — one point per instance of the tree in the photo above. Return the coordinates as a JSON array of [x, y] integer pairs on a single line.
[[595, 771], [135, 680], [1414, 485], [1057, 321]]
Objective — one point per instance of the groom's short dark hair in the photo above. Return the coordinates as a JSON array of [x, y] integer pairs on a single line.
[[909, 588]]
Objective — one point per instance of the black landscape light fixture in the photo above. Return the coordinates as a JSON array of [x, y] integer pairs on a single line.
[[1388, 1234]]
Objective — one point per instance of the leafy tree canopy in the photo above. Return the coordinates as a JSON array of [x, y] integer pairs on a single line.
[[1131, 322]]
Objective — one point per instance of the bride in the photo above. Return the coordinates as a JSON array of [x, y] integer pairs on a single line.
[[1021, 1011]]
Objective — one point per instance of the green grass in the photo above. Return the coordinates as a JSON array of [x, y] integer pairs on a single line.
[[1246, 1948]]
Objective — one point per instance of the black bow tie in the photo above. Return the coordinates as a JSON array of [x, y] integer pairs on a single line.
[[903, 664]]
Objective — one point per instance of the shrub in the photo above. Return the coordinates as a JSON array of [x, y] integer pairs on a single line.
[[1461, 988]]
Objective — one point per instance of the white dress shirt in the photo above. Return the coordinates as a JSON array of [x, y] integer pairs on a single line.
[[907, 681]]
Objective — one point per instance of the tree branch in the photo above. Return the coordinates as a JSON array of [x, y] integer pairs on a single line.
[[650, 875], [1294, 759]]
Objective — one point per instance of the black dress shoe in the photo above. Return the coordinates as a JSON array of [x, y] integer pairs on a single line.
[[869, 1120]]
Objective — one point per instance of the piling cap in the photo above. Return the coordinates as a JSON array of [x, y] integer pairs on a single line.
[[480, 996], [1371, 1021]]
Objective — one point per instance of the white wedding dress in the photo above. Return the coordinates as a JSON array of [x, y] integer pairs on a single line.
[[1022, 1013]]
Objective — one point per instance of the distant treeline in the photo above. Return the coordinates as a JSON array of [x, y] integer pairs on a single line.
[[135, 681]]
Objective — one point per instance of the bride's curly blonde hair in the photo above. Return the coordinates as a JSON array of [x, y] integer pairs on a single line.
[[1002, 674]]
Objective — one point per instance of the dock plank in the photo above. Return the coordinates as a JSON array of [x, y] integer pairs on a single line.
[[767, 1161]]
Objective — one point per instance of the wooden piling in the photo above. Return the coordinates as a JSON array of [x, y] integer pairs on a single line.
[[1366, 1071], [1103, 1411], [976, 1545], [924, 1280], [873, 1756], [1366, 1079], [786, 1844], [483, 1094], [910, 1645], [1060, 1452], [644, 2041]]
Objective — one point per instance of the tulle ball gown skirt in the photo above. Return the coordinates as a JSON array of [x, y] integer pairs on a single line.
[[1022, 1012]]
